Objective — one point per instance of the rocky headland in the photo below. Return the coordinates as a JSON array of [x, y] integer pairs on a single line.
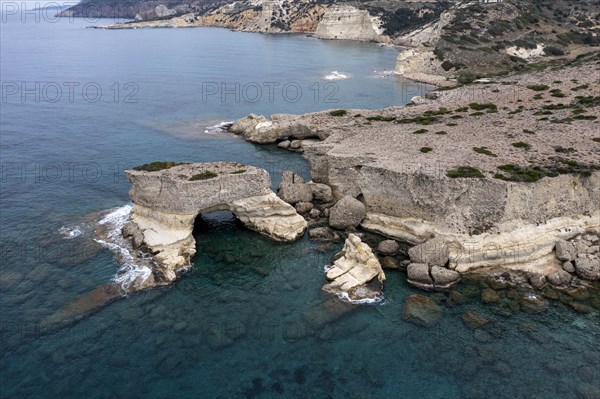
[[496, 177]]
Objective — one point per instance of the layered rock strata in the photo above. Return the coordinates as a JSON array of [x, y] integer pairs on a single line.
[[167, 202], [356, 273]]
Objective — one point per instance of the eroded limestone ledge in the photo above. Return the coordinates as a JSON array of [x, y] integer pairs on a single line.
[[485, 223], [167, 202]]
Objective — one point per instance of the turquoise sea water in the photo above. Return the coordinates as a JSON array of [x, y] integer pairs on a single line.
[[249, 319]]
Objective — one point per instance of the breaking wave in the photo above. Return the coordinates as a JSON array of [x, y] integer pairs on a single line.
[[132, 270], [218, 128], [335, 75]]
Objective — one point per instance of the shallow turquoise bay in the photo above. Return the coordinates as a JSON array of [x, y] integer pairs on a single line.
[[249, 320]]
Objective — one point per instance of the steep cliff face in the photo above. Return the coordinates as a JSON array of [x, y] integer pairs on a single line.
[[347, 22]]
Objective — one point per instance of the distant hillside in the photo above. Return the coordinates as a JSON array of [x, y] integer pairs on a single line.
[[393, 16], [504, 38], [142, 9], [473, 40], [451, 38]]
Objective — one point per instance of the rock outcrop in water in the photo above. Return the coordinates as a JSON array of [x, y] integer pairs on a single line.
[[356, 273], [168, 197]]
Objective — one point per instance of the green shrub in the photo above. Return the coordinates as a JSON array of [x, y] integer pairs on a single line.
[[441, 133], [538, 87], [484, 151], [420, 131], [467, 77], [581, 87], [381, 118], [447, 65], [239, 172], [481, 107], [520, 144], [466, 172], [519, 174], [425, 150], [554, 51], [419, 120], [588, 101], [203, 176], [338, 112]]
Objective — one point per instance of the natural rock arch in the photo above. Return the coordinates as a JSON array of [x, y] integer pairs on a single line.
[[168, 197]]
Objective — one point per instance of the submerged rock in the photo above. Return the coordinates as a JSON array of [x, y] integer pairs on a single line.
[[83, 306], [421, 310], [323, 233], [347, 212], [327, 312], [357, 267], [474, 320], [489, 296], [533, 303]]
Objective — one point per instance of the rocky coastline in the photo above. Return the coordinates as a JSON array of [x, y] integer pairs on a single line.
[[486, 204]]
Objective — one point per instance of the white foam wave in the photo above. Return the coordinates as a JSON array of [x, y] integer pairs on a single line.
[[218, 128], [383, 74], [335, 75], [70, 232], [132, 270], [344, 296]]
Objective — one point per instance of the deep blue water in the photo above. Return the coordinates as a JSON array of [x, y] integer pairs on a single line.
[[242, 322]]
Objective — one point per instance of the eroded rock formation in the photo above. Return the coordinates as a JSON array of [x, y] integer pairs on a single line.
[[356, 273], [167, 202]]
